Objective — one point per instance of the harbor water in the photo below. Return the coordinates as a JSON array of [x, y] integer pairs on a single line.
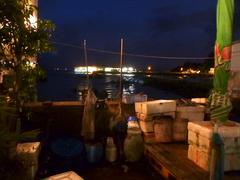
[[67, 86]]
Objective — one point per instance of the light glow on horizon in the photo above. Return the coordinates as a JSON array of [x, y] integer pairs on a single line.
[[92, 69]]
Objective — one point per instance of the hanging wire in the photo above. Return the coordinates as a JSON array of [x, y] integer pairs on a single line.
[[131, 54]]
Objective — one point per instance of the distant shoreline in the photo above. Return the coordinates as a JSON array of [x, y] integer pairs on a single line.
[[182, 87]]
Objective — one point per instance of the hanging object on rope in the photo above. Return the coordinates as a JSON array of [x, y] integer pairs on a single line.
[[88, 121]]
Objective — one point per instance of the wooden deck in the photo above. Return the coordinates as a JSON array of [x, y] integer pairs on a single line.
[[171, 161]]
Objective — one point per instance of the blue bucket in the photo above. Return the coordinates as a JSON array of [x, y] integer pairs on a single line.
[[94, 152]]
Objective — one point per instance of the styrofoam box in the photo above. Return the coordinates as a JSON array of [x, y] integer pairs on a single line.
[[197, 108], [146, 126], [200, 134], [132, 98], [192, 113], [70, 175], [29, 151], [155, 107], [203, 159], [138, 107], [200, 100], [148, 117]]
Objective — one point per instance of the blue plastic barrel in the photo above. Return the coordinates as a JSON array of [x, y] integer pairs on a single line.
[[94, 152]]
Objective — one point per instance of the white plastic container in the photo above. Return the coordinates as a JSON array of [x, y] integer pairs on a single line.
[[133, 145], [111, 150], [29, 153], [133, 122]]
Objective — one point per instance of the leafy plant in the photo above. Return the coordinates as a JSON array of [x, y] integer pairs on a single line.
[[7, 136], [23, 37], [10, 166]]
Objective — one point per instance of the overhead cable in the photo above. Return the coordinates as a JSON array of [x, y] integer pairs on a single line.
[[131, 54]]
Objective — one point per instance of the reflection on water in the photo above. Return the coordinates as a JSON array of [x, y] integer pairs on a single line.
[[67, 86], [108, 85]]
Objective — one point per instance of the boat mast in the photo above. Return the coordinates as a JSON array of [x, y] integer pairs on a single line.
[[86, 61], [121, 83]]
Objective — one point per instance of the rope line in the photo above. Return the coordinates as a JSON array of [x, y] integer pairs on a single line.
[[131, 54]]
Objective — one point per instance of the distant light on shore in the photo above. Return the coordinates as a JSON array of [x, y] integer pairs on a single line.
[[92, 69], [211, 71], [190, 71]]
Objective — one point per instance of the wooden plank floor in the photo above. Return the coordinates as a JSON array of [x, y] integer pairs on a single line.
[[171, 161]]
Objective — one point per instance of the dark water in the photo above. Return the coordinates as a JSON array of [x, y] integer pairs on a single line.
[[65, 86]]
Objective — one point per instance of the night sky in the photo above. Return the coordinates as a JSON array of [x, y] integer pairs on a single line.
[[150, 27]]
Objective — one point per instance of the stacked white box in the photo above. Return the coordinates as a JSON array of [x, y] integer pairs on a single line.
[[147, 117], [146, 126], [146, 111], [192, 113], [200, 144], [203, 158], [132, 98], [155, 107], [179, 130], [200, 100], [146, 121]]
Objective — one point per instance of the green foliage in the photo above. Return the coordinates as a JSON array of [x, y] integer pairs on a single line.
[[30, 77], [9, 139], [19, 33], [22, 38]]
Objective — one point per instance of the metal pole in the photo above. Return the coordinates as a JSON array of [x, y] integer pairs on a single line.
[[213, 159], [121, 83], [86, 61]]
